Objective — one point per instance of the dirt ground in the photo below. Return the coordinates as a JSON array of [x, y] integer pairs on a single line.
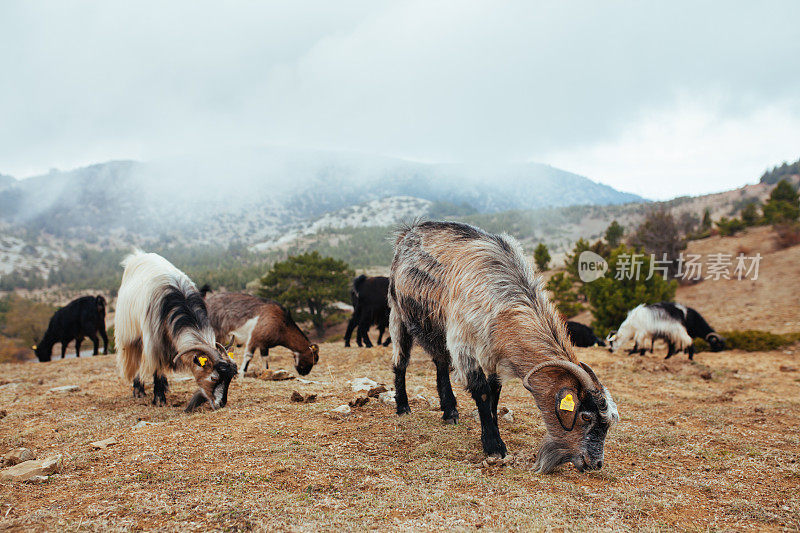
[[706, 445]]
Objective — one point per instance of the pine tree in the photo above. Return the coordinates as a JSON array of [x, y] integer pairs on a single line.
[[541, 255]]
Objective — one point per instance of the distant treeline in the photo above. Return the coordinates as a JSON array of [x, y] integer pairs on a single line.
[[232, 267], [780, 172]]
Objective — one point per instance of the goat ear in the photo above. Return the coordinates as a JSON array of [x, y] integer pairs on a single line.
[[567, 406]]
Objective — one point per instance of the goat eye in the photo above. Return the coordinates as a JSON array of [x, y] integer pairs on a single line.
[[586, 417]]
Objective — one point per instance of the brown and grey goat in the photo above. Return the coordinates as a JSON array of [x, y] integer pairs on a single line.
[[259, 324], [162, 325], [473, 302]]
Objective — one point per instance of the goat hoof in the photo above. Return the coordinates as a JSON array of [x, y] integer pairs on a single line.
[[450, 421], [450, 418], [159, 402], [403, 410]]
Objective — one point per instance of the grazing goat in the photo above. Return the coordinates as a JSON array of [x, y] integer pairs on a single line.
[[472, 301], [696, 325], [651, 322], [82, 317], [582, 336], [259, 324], [162, 325], [370, 307]]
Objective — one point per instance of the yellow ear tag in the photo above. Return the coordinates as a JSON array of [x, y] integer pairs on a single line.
[[230, 354], [202, 361], [33, 347], [567, 404]]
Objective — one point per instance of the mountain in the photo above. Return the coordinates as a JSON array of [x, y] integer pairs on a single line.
[[6, 181], [252, 194]]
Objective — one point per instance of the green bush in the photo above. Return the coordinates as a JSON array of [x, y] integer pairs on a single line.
[[564, 295], [732, 226], [751, 340], [541, 256]]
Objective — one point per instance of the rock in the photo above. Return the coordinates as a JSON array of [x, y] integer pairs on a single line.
[[342, 410], [375, 392], [275, 375], [3, 414], [359, 401], [144, 423], [29, 469], [296, 397], [422, 398], [706, 375], [65, 388], [387, 397], [787, 368], [360, 384], [508, 416], [37, 479], [105, 443], [17, 456]]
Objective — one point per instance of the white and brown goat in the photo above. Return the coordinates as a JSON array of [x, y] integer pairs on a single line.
[[473, 302], [259, 324], [161, 325]]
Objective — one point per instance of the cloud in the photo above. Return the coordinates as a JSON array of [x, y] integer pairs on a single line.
[[428, 80]]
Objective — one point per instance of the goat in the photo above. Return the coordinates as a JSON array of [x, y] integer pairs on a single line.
[[651, 322], [696, 325], [370, 307], [582, 336], [472, 301], [259, 324], [82, 317], [162, 325]]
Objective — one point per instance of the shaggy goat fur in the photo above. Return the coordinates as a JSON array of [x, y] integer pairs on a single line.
[[473, 302], [259, 324], [162, 325]]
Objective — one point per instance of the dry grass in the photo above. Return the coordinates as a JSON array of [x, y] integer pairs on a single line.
[[689, 453]]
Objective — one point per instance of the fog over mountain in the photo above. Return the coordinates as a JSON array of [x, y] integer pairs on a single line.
[[250, 194]]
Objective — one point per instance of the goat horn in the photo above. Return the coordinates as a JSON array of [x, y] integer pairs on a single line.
[[583, 377], [197, 348]]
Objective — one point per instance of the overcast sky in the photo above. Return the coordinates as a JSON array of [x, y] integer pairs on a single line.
[[656, 98]]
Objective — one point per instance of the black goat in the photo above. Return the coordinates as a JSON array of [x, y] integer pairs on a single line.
[[582, 336], [83, 317], [370, 308]]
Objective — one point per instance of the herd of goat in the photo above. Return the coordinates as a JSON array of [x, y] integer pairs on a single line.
[[469, 298]]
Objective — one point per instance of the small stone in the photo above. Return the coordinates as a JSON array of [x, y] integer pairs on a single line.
[[144, 423], [375, 392], [37, 479], [759, 409], [3, 414], [787, 368], [706, 375], [303, 398], [29, 469], [363, 384], [342, 410], [17, 456], [105, 443], [387, 397], [65, 388], [508, 416], [422, 398], [358, 401], [275, 375]]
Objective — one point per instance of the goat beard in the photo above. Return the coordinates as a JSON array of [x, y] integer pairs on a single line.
[[551, 455], [197, 400]]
